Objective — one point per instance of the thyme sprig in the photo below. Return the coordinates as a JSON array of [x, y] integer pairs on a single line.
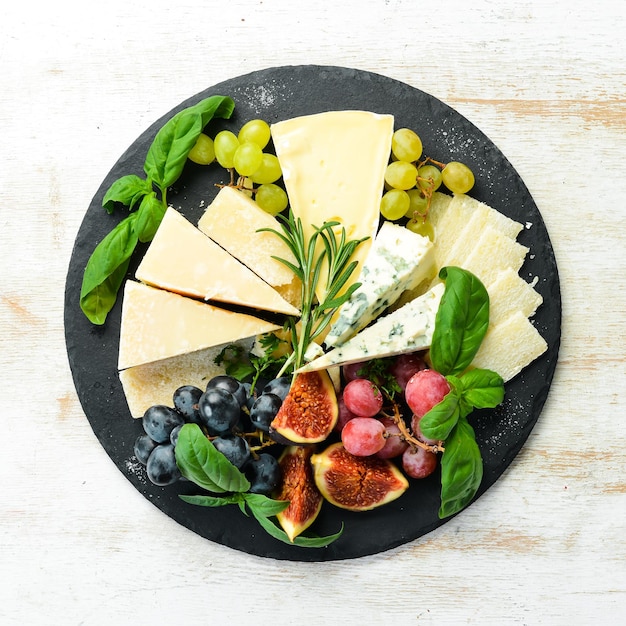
[[311, 259]]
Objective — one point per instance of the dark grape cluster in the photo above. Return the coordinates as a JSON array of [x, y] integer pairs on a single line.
[[231, 414]]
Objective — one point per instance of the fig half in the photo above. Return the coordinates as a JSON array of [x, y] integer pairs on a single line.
[[309, 412], [298, 486], [356, 483]]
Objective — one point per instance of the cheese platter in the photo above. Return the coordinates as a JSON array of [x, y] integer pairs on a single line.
[[105, 384]]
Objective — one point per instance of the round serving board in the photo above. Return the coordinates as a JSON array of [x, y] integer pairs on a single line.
[[276, 94]]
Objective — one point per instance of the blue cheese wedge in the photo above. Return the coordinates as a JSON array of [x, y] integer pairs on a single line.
[[398, 261], [407, 329]]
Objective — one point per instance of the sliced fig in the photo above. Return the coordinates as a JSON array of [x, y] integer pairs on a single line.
[[298, 486], [356, 483], [309, 412]]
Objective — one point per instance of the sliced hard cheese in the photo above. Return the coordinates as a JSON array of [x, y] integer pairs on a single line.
[[408, 329], [333, 166], [509, 346], [155, 383], [233, 221], [508, 293], [157, 324], [183, 259], [399, 260]]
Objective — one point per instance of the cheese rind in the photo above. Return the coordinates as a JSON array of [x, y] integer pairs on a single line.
[[184, 260], [398, 261], [157, 324], [333, 166], [407, 329], [234, 221]]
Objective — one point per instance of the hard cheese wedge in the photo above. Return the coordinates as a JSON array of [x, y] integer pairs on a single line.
[[407, 329], [398, 261], [158, 324], [154, 383], [233, 221], [183, 259], [333, 166]]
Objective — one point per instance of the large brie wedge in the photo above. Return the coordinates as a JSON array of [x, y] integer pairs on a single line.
[[183, 259], [333, 166], [157, 324]]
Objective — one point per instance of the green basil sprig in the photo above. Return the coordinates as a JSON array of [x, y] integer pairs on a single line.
[[460, 326], [164, 163], [201, 463]]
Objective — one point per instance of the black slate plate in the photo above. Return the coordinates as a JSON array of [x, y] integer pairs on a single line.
[[276, 94]]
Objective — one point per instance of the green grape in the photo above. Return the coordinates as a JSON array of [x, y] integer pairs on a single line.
[[203, 151], [247, 158], [401, 175], [257, 131], [430, 176], [226, 144], [269, 171], [406, 145], [271, 198], [421, 226], [394, 204], [457, 177], [418, 203]]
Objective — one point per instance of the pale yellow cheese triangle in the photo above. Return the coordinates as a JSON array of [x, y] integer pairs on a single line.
[[333, 166], [157, 324], [233, 221], [183, 259], [508, 293]]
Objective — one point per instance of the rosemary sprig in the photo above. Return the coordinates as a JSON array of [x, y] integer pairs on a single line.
[[336, 251]]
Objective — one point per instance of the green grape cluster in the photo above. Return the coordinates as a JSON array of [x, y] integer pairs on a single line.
[[411, 180], [243, 153]]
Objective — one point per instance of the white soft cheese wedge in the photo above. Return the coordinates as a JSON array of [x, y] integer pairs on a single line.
[[233, 221], [399, 260], [509, 293], [183, 259], [155, 383], [509, 346], [157, 324], [407, 329], [333, 166]]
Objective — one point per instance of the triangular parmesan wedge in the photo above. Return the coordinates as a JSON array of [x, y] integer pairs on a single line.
[[184, 260], [508, 293], [158, 324], [333, 166], [407, 329], [155, 383], [509, 346], [233, 221]]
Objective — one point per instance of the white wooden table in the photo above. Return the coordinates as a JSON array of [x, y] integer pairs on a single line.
[[545, 81]]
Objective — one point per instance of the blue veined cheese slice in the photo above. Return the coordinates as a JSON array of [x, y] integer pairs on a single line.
[[408, 329], [399, 260]]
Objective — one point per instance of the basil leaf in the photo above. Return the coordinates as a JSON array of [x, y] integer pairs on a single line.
[[200, 462], [461, 469], [461, 322], [150, 214], [106, 269], [483, 389], [304, 542], [212, 501], [168, 152], [127, 190], [262, 505], [442, 418]]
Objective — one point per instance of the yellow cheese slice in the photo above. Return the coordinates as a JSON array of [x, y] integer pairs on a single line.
[[233, 221], [333, 166], [508, 293], [155, 383], [157, 324], [183, 259]]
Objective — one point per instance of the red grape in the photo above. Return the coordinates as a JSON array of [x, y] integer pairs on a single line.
[[363, 397], [424, 390], [363, 436], [351, 371], [419, 463], [394, 444], [404, 366], [345, 414], [415, 427]]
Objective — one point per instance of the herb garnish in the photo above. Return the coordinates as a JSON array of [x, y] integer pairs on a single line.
[[200, 462], [164, 163]]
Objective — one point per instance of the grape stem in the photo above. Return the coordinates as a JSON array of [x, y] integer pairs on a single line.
[[406, 434]]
